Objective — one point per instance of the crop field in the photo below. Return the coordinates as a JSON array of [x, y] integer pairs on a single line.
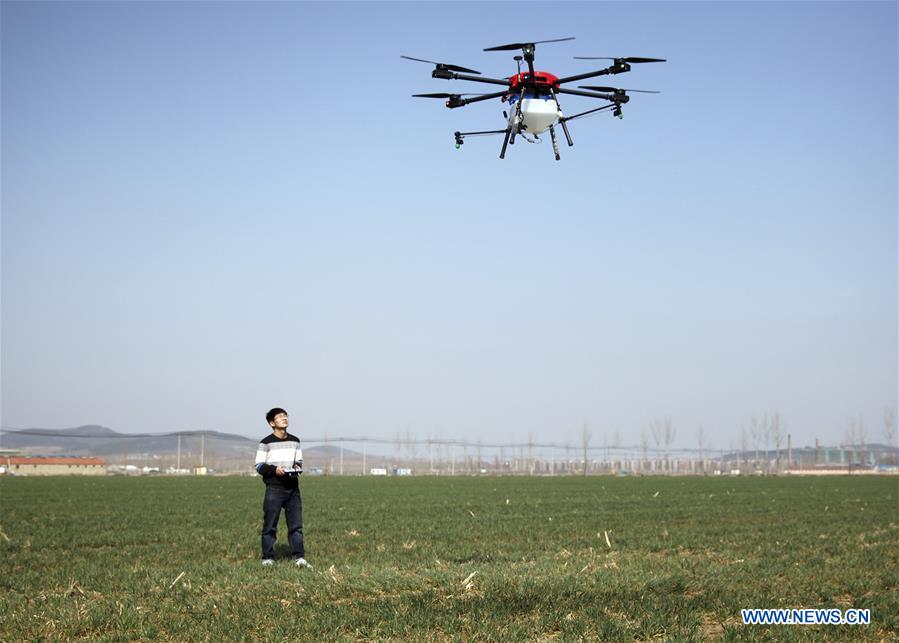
[[600, 558]]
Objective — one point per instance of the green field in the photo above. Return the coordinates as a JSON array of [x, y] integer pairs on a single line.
[[96, 558]]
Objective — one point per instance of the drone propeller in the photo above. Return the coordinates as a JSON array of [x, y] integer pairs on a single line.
[[439, 95], [598, 88], [445, 66], [624, 60], [522, 45]]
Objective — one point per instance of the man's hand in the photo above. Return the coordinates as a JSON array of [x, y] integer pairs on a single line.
[[279, 471]]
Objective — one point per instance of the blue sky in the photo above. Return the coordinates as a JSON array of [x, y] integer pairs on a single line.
[[212, 208]]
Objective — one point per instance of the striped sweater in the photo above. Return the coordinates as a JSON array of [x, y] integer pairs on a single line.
[[273, 453]]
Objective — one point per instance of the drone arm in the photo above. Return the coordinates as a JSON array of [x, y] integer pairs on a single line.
[[493, 131], [464, 101], [449, 75], [588, 112], [610, 97], [614, 69]]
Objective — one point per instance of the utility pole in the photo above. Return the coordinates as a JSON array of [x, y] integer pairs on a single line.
[[203, 449], [453, 468], [363, 457], [341, 457], [178, 462]]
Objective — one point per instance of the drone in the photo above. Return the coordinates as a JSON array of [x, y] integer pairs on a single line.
[[533, 96]]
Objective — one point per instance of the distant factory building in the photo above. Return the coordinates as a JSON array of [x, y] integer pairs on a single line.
[[62, 466]]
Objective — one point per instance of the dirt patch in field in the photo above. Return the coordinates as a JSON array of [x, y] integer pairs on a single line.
[[712, 628]]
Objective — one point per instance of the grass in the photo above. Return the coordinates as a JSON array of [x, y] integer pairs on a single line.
[[99, 557]]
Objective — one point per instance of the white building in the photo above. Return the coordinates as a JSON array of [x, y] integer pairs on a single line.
[[52, 466]]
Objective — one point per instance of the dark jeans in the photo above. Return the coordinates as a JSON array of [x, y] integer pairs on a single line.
[[277, 497]]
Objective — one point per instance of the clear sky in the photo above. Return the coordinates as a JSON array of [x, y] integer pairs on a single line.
[[209, 209]]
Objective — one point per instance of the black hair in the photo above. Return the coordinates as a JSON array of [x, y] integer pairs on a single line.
[[270, 416]]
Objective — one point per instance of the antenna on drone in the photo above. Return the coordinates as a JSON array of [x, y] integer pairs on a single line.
[[518, 60]]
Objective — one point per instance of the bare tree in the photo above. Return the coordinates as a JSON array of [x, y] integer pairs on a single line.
[[777, 434], [644, 444], [330, 458], [657, 430], [605, 448], [616, 445], [531, 453], [410, 447], [755, 431], [669, 437], [585, 443], [744, 443], [889, 431], [862, 439], [889, 425], [663, 432], [850, 440], [700, 439]]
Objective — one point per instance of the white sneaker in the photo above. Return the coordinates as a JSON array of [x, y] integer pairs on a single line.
[[267, 562], [301, 562]]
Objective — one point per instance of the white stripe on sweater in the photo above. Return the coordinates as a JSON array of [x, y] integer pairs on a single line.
[[279, 455]]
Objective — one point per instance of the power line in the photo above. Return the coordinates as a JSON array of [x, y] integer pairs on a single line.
[[446, 442]]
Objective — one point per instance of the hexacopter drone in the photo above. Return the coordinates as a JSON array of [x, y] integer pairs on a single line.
[[533, 96]]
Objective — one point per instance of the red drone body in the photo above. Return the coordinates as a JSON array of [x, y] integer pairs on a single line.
[[542, 79]]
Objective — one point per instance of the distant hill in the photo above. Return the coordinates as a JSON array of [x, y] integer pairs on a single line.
[[96, 440]]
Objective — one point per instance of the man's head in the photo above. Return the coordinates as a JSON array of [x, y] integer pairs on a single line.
[[277, 419]]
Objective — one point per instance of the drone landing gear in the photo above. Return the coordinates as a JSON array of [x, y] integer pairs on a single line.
[[567, 135], [512, 137], [562, 123], [502, 153], [552, 134]]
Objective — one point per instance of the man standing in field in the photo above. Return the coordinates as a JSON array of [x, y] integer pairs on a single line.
[[279, 460]]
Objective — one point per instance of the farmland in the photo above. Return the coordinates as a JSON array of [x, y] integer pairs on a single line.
[[446, 558]]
